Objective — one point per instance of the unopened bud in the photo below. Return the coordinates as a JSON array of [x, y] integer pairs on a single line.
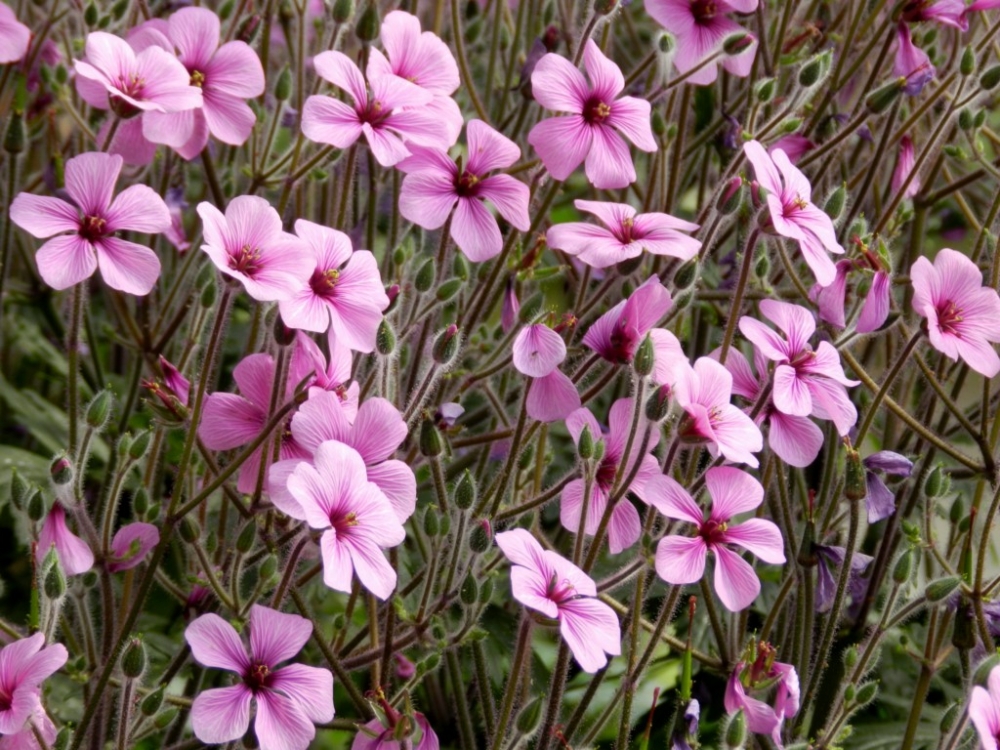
[[134, 658], [431, 525], [385, 338], [35, 506], [19, 489], [686, 274], [446, 345], [139, 445], [431, 443], [368, 24], [342, 11], [55, 581], [530, 716], [481, 537], [807, 555], [731, 197], [248, 29], [764, 90], [61, 470], [903, 568], [585, 445], [738, 43], [209, 295], [938, 483], [469, 592], [165, 719], [658, 404], [990, 78], [486, 590], [283, 86], [465, 491], [967, 66], [950, 717], [424, 279], [90, 14], [13, 140], [965, 119], [99, 410], [879, 100], [942, 588], [855, 485], [835, 204], [152, 702], [244, 542], [448, 289], [190, 532], [644, 358], [811, 72], [604, 7], [658, 124], [736, 732]]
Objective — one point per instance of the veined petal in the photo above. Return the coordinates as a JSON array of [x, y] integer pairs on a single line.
[[681, 559], [736, 583], [221, 714]]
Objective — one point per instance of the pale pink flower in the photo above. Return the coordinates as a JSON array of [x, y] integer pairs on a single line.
[[625, 234], [376, 432], [230, 421], [875, 309], [14, 36], [701, 28], [831, 299], [377, 736], [290, 699], [310, 364], [806, 381], [24, 665], [792, 214], [963, 316], [344, 293], [248, 244], [387, 110], [422, 58], [681, 559], [617, 334], [905, 162], [510, 308], [538, 351], [357, 520], [704, 392], [92, 225], [548, 583], [435, 186], [625, 526], [984, 710], [912, 63], [131, 545], [227, 75], [596, 119], [75, 556], [761, 675]]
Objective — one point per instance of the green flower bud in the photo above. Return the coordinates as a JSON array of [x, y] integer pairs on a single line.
[[19, 489], [855, 486], [152, 702], [530, 716], [283, 86], [849, 694], [942, 588], [428, 665], [762, 266], [979, 119], [368, 24], [446, 345], [460, 267], [465, 491], [585, 446], [737, 43], [431, 525], [139, 445], [248, 29], [812, 71], [686, 274], [14, 138], [938, 483], [385, 338], [248, 534], [965, 119], [134, 658], [225, 10], [190, 532], [90, 14], [140, 502], [879, 100], [644, 358], [963, 634], [481, 537], [968, 64], [55, 582], [764, 90], [36, 506], [486, 590], [904, 567], [957, 511], [836, 203], [208, 295], [444, 523], [950, 717], [658, 124], [165, 719], [658, 404], [62, 739], [736, 731], [448, 289], [665, 43], [342, 10], [90, 579], [211, 541], [469, 592], [61, 470], [851, 657], [431, 443]]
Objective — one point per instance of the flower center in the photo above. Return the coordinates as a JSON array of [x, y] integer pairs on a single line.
[[949, 318], [342, 523], [197, 78], [625, 234], [246, 261], [560, 591], [622, 345], [596, 111], [92, 228], [6, 699], [257, 676], [606, 473], [467, 184], [703, 10], [374, 114], [712, 531], [323, 282], [131, 85]]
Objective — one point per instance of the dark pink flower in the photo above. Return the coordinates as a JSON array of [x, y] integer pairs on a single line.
[[357, 520], [510, 308], [762, 674], [131, 544], [14, 36], [74, 555], [701, 28], [248, 244], [179, 385], [92, 225], [387, 110], [617, 334], [548, 583], [377, 736], [806, 381], [24, 665], [912, 63], [831, 299], [596, 119], [794, 145], [905, 162], [792, 214], [344, 293], [681, 559], [435, 186], [963, 316], [290, 699], [625, 234], [945, 12]]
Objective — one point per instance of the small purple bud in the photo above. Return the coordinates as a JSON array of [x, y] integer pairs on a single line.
[[890, 463], [405, 669], [511, 306]]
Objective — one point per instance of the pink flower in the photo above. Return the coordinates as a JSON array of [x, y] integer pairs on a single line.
[[538, 351], [333, 376], [625, 527], [984, 710], [150, 80], [796, 440], [792, 214], [14, 36], [510, 308], [704, 392], [290, 700], [131, 544], [376, 736], [248, 244], [963, 316], [230, 421], [24, 665], [435, 185], [226, 75], [375, 433], [547, 583], [875, 310], [904, 167], [912, 63], [805, 381], [761, 674], [794, 145], [358, 521], [74, 555], [617, 334], [394, 112], [344, 293], [597, 118], [701, 28], [945, 12], [174, 379], [681, 559], [625, 234], [831, 299], [421, 58], [92, 224]]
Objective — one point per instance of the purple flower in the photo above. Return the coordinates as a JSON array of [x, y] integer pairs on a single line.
[[945, 12], [912, 63], [984, 710], [548, 583], [74, 555], [879, 499], [686, 730], [131, 545], [290, 700], [617, 334], [831, 560]]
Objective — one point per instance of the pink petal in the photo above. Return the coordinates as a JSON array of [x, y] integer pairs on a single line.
[[591, 629], [129, 142], [221, 714], [736, 583], [562, 143], [759, 536], [668, 356], [42, 216], [131, 545], [770, 344], [763, 167], [609, 164], [90, 179], [571, 506], [75, 556], [338, 569], [511, 198], [326, 120], [373, 569], [830, 299], [672, 500], [521, 548], [276, 636], [985, 715], [681, 559], [378, 430], [398, 484], [488, 149], [745, 382], [830, 401], [733, 492], [630, 117], [606, 77], [229, 421], [281, 723], [475, 231], [172, 129], [876, 307], [529, 588], [311, 688], [387, 148], [538, 350], [625, 527], [139, 209], [235, 69], [552, 398], [796, 440], [229, 118], [791, 393], [427, 197], [340, 70], [319, 419], [557, 85], [66, 260], [214, 643], [796, 322], [579, 419], [195, 32]]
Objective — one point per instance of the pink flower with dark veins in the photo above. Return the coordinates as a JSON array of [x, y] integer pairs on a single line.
[[905, 162], [680, 560], [24, 665], [625, 234], [912, 63], [92, 225], [758, 675], [984, 710], [344, 293], [289, 699], [309, 364], [14, 36], [792, 214], [537, 353], [945, 12], [701, 28], [548, 583], [436, 187], [131, 545], [963, 316], [617, 334], [596, 118]]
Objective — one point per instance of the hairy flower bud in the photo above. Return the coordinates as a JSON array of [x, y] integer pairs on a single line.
[[644, 358], [904, 567], [465, 491], [990, 78], [736, 731], [283, 86], [530, 716], [431, 443], [190, 532], [368, 24], [446, 345], [246, 538], [55, 580], [967, 65], [658, 404], [730, 199], [481, 537], [448, 289], [942, 588], [61, 470], [879, 100], [737, 43], [19, 489], [342, 10], [152, 702], [248, 29], [855, 486], [134, 658], [469, 592]]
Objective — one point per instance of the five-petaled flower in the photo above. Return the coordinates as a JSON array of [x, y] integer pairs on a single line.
[[24, 665]]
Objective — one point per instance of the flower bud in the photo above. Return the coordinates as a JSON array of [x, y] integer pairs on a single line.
[[444, 524], [807, 556], [658, 124], [813, 70], [13, 140], [990, 78], [879, 100], [736, 731], [957, 511], [448, 289], [465, 491], [342, 10], [963, 634], [55, 581], [950, 716], [269, 568], [855, 486], [903, 567], [61, 470], [190, 532], [446, 345], [764, 90], [603, 8], [731, 197], [658, 404], [19, 489], [139, 445], [738, 43], [208, 295], [152, 702], [849, 694], [469, 592], [481, 537], [429, 664], [431, 525], [851, 657], [486, 590], [529, 717], [248, 534], [283, 86], [942, 588], [368, 24], [165, 719], [385, 338], [644, 358], [90, 14], [431, 443], [248, 29], [835, 204], [134, 658], [938, 483], [686, 274], [967, 66], [35, 506], [965, 119]]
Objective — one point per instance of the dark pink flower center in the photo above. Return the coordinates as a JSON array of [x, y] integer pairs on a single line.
[[246, 261], [257, 677], [703, 10], [343, 523], [606, 474], [324, 282], [197, 78], [467, 184], [560, 591], [623, 342], [802, 358], [131, 85], [913, 11], [92, 228], [793, 206], [949, 317], [626, 232], [6, 699], [712, 531], [374, 114], [596, 111]]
